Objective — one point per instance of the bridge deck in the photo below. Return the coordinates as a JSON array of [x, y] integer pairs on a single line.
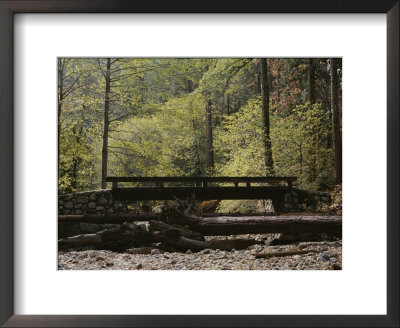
[[205, 188]]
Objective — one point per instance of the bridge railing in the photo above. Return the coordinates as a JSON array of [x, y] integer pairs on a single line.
[[160, 182]]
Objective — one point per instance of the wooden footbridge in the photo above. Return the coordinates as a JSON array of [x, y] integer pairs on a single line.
[[202, 188]]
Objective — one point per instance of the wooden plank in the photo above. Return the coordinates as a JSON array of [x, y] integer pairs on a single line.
[[204, 179]]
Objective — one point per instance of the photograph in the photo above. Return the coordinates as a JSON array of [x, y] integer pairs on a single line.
[[199, 163]]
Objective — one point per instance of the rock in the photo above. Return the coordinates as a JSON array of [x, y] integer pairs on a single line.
[[69, 204], [302, 246], [103, 201], [155, 251], [333, 259], [100, 208], [110, 211], [336, 267], [100, 258], [82, 199], [296, 257], [91, 205], [188, 251], [118, 205], [205, 251], [323, 257], [92, 196], [139, 266], [67, 197], [78, 211]]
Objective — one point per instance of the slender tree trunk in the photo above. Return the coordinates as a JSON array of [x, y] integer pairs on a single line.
[[269, 164], [104, 152], [311, 99], [337, 137], [60, 102], [76, 160], [228, 105], [278, 83], [198, 170], [311, 81], [301, 165], [189, 88], [209, 137]]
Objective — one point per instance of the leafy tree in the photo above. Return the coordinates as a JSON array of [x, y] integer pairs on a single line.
[[152, 117]]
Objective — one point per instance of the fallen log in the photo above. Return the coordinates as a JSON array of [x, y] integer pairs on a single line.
[[117, 238], [178, 238], [237, 214], [108, 218], [259, 224], [286, 253], [173, 231], [183, 244]]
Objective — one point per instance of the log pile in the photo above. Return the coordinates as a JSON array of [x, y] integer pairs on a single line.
[[176, 229]]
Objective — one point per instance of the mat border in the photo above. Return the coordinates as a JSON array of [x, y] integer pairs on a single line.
[[10, 7]]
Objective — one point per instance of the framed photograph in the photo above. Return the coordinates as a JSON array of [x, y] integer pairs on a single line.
[[194, 156]]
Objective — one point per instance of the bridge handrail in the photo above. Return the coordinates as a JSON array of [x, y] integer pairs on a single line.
[[203, 180]]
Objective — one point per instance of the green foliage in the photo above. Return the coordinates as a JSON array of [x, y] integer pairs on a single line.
[[157, 120], [238, 143], [167, 143], [297, 143], [325, 181]]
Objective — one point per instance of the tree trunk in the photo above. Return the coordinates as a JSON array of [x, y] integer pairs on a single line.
[[184, 243], [311, 81], [190, 235], [337, 137], [286, 253], [209, 137], [301, 165], [228, 105], [311, 99], [60, 102], [107, 218], [269, 164], [278, 85], [104, 152], [223, 226]]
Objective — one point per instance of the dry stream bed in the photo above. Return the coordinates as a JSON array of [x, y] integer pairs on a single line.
[[321, 255]]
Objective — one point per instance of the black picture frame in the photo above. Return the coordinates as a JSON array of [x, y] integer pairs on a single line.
[[10, 7]]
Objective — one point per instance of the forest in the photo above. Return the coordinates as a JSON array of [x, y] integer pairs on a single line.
[[199, 117]]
